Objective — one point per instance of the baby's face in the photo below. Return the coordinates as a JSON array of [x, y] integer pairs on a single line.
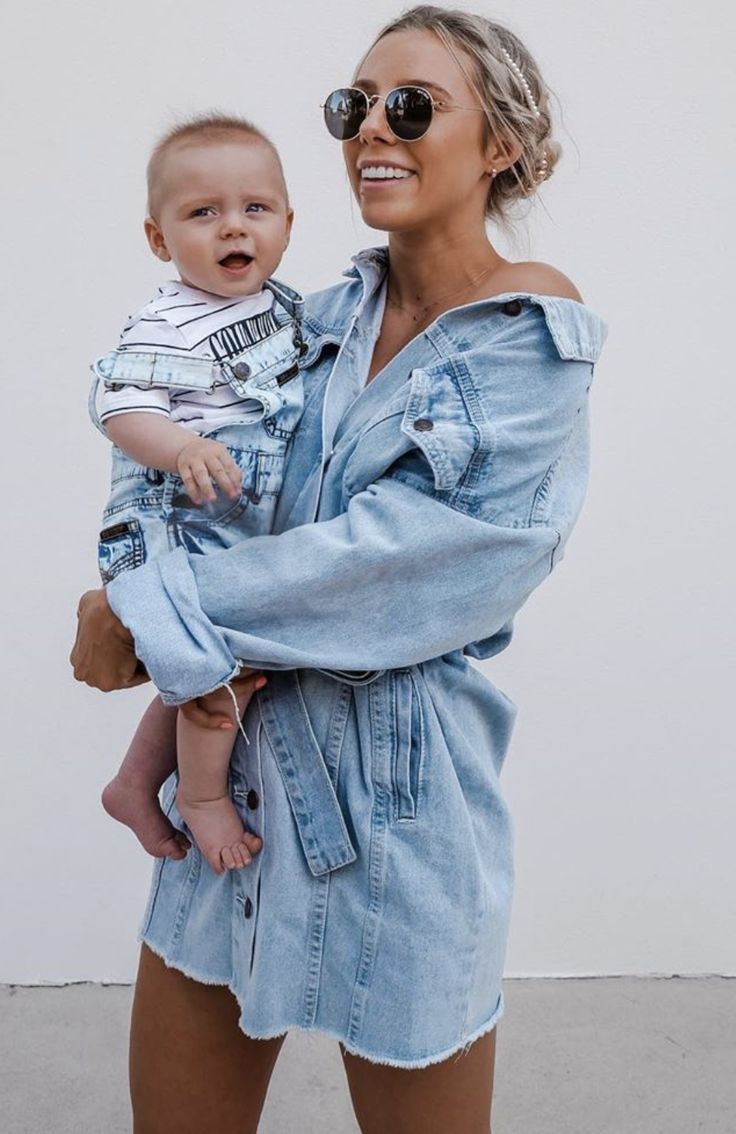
[[221, 215]]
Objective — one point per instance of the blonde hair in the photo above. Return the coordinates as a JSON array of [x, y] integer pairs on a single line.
[[502, 94], [210, 127]]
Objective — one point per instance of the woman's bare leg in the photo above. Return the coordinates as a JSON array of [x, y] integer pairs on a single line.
[[453, 1097], [192, 1070]]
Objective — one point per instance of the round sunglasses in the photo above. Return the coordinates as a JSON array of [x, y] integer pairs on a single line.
[[408, 111]]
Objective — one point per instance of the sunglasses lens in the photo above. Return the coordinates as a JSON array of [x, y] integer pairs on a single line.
[[409, 112], [345, 109]]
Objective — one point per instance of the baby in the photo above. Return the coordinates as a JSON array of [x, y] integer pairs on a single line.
[[200, 400]]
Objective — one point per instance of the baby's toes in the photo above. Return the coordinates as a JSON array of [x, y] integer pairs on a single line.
[[228, 858]]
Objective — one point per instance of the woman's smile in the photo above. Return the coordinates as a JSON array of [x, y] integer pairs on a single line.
[[382, 175]]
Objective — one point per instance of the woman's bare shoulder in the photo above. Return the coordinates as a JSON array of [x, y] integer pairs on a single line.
[[540, 279]]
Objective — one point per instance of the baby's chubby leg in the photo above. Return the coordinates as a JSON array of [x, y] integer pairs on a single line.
[[202, 798], [131, 797]]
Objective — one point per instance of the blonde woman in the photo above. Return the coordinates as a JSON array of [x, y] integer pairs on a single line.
[[433, 482]]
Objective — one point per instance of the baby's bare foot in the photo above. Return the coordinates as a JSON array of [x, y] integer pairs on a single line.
[[136, 804], [218, 831]]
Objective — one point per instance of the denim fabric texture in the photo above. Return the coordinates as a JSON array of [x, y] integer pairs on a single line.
[[148, 511], [443, 492]]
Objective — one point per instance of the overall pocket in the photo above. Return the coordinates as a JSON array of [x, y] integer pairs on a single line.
[[120, 547], [223, 510], [408, 744]]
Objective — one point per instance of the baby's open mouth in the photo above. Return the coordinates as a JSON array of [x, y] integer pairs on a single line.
[[235, 260]]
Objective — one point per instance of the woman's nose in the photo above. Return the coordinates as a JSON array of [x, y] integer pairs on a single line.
[[374, 126]]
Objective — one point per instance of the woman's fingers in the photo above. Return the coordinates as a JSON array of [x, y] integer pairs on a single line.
[[203, 713], [103, 653], [197, 715]]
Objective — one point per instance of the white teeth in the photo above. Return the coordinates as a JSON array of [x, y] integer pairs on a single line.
[[384, 172]]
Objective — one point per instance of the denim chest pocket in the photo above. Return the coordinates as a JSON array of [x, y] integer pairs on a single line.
[[408, 743], [434, 424], [443, 419]]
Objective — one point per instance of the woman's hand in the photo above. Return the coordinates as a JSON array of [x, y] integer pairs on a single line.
[[204, 711], [103, 654]]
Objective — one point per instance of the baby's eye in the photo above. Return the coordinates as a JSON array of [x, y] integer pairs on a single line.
[[203, 211], [256, 205]]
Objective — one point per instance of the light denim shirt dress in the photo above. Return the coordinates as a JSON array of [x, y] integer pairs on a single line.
[[445, 492]]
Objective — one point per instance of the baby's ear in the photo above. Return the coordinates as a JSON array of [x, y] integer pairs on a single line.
[[155, 239], [289, 222]]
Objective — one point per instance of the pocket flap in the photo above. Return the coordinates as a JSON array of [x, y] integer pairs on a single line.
[[438, 421]]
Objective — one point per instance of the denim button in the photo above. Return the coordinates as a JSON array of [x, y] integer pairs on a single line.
[[422, 424], [252, 799], [241, 370], [513, 307], [248, 907]]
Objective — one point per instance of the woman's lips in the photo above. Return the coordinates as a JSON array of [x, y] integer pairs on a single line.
[[381, 184]]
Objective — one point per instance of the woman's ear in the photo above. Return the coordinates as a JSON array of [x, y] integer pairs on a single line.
[[500, 155], [155, 238]]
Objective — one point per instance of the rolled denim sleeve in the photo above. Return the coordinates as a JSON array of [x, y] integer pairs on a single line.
[[455, 509], [397, 579]]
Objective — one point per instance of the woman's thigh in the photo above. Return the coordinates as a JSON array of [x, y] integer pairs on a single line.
[[453, 1097], [191, 1067]]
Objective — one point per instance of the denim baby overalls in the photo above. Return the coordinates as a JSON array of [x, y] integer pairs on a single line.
[[148, 511], [417, 515]]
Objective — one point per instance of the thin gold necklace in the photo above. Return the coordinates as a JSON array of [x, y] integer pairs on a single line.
[[447, 295]]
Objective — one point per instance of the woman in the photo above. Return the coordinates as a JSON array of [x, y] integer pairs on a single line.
[[443, 452]]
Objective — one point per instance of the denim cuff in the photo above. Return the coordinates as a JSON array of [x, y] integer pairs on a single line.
[[185, 659]]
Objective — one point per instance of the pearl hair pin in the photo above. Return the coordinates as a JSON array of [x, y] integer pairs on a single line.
[[527, 89], [542, 172]]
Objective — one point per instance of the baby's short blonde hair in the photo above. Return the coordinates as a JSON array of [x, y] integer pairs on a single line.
[[208, 128]]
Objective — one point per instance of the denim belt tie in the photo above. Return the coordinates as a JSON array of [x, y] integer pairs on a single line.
[[314, 804]]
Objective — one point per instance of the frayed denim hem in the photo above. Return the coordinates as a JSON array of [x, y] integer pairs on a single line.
[[458, 1049], [415, 1064], [193, 974]]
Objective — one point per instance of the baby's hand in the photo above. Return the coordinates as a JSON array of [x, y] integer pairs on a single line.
[[202, 460]]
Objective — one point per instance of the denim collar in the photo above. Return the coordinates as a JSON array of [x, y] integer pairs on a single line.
[[578, 332]]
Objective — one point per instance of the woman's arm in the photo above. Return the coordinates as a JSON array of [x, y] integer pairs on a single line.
[[396, 580], [408, 572]]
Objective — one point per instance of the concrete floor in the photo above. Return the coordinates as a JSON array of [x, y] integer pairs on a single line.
[[618, 1055]]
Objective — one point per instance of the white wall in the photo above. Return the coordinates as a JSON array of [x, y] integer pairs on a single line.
[[621, 775]]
